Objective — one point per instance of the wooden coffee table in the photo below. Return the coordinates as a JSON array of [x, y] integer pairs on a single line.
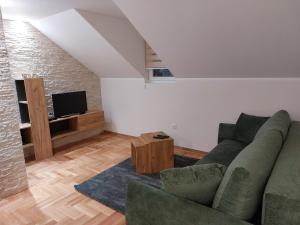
[[150, 155]]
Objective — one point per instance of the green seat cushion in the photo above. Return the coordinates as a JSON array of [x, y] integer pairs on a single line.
[[240, 192], [247, 126], [198, 183], [223, 153], [281, 204], [151, 206], [279, 121]]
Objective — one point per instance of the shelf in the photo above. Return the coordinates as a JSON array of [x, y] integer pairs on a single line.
[[21, 92], [24, 113], [26, 136], [24, 125], [64, 134], [71, 117], [29, 145], [62, 119]]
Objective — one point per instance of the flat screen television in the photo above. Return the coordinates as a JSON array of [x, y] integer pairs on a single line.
[[65, 104]]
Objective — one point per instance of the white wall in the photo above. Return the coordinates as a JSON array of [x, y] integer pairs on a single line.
[[197, 106]]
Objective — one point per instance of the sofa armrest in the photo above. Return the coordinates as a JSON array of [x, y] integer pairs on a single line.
[[226, 131], [281, 204], [150, 206]]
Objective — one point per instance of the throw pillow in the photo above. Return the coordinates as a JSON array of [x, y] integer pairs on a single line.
[[198, 183], [247, 127]]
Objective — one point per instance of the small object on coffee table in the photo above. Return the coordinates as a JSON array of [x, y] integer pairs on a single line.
[[152, 155], [161, 135]]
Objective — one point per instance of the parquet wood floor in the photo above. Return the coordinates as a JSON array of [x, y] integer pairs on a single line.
[[51, 198]]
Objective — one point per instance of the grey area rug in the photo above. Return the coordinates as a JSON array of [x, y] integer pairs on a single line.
[[110, 186]]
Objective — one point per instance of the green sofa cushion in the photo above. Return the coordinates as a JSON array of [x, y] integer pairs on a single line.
[[223, 153], [226, 131], [198, 183], [281, 205], [279, 121], [150, 206], [240, 192], [247, 127]]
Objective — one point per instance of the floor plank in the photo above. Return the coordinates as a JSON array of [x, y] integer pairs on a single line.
[[51, 198]]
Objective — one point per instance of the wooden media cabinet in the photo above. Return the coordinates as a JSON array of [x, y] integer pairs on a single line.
[[39, 135]]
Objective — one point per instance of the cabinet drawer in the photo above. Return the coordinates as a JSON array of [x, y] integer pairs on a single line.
[[91, 121]]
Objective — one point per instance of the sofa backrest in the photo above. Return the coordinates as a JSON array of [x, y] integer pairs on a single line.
[[279, 121], [247, 127], [240, 192], [281, 204]]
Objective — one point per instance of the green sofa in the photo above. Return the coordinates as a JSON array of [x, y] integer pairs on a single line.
[[282, 194], [271, 186]]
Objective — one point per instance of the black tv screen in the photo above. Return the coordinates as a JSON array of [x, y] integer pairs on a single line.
[[70, 103]]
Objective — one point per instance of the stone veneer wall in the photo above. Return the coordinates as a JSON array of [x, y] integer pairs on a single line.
[[31, 52], [13, 177]]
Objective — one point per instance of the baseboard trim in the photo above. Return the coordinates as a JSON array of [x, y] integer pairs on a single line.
[[191, 150], [178, 147], [116, 133]]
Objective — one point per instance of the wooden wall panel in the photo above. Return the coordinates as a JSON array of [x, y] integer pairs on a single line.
[[38, 114]]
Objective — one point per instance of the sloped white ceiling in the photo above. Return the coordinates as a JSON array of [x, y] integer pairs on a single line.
[[72, 32], [217, 38], [121, 35], [29, 10]]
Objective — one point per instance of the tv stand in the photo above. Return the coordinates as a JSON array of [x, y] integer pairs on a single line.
[[41, 136], [66, 126], [66, 116]]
